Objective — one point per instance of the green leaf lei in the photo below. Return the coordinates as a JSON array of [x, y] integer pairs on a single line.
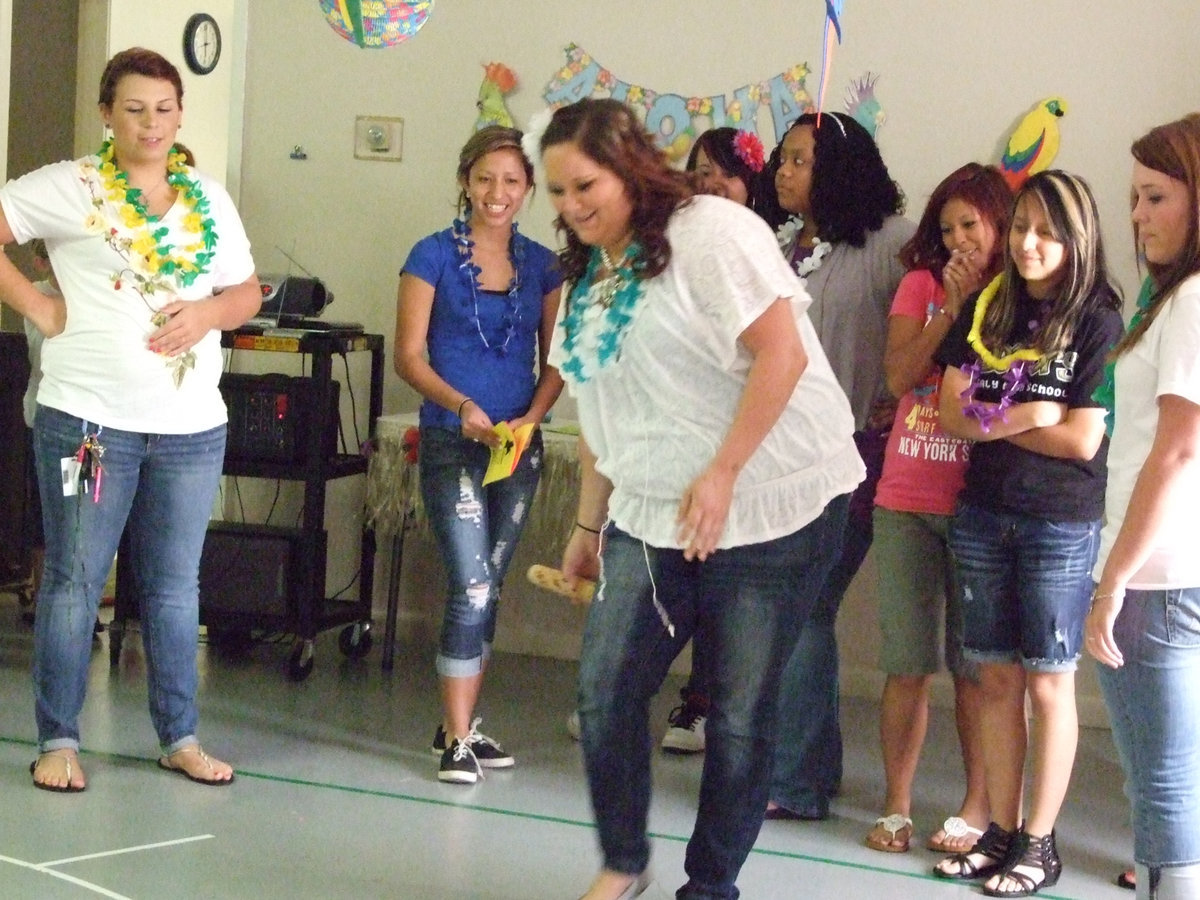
[[154, 265]]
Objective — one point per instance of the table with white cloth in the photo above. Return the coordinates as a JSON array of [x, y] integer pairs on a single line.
[[530, 620]]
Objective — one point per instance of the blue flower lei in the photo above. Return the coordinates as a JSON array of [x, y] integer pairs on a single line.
[[616, 297], [470, 274]]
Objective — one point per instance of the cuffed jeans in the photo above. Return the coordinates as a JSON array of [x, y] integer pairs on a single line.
[[476, 528], [746, 606], [1152, 703], [163, 486]]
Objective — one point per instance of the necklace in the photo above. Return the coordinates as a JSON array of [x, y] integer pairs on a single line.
[[606, 288], [470, 274], [157, 255], [153, 265], [996, 364], [788, 237], [1015, 365], [599, 312]]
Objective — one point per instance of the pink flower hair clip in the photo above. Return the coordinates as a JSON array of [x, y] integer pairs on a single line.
[[749, 149]]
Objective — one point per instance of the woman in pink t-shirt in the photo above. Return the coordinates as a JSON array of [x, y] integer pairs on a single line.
[[956, 250]]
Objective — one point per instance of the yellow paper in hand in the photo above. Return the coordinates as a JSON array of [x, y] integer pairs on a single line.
[[507, 453]]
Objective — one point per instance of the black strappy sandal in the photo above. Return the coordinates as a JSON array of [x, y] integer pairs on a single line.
[[994, 845], [1031, 853]]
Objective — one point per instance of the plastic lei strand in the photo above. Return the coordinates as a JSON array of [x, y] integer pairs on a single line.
[[1015, 367]]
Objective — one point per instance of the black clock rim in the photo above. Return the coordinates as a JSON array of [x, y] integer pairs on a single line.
[[189, 32]]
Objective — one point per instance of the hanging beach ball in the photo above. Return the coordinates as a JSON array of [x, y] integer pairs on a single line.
[[376, 23]]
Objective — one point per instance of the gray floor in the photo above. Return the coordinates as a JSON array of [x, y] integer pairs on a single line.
[[337, 796]]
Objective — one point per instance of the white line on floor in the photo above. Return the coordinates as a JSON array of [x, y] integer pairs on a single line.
[[79, 882], [46, 868], [139, 848]]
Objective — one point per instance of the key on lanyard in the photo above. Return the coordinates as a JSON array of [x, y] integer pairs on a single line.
[[91, 472]]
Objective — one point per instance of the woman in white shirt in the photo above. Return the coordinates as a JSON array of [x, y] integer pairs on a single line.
[[717, 458], [1144, 624]]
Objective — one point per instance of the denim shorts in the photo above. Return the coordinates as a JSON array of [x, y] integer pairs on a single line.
[[1027, 583]]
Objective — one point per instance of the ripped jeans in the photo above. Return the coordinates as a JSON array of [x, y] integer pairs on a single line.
[[1027, 583], [476, 529]]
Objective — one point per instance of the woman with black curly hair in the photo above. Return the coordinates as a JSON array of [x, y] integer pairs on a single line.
[[838, 215]]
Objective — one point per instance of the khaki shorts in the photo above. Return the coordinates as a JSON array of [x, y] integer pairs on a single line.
[[919, 595]]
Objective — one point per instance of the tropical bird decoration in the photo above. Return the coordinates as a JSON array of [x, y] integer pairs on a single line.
[[498, 80], [1034, 143], [862, 105]]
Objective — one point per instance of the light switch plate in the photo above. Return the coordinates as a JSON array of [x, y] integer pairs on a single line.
[[378, 138]]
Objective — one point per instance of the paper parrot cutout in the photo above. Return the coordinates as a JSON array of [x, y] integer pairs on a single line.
[[862, 105], [833, 32], [498, 80], [1034, 143]]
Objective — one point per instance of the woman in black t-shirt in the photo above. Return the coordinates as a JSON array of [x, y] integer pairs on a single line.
[[1021, 365]]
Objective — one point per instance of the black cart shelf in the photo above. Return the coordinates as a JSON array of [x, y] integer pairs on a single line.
[[230, 608]]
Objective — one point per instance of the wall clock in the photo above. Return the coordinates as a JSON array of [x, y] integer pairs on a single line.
[[201, 43]]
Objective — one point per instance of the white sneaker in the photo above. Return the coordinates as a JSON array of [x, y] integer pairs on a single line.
[[686, 734]]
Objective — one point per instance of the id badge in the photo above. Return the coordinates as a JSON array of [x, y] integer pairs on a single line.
[[70, 475]]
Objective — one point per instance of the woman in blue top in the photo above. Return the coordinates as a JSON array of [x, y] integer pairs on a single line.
[[475, 313]]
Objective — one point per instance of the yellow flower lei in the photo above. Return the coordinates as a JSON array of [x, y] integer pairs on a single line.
[[150, 246], [993, 362], [152, 260]]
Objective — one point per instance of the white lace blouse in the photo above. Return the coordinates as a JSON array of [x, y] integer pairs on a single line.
[[656, 416]]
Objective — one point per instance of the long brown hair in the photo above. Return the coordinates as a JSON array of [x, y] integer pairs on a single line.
[[608, 133], [1174, 150], [1075, 222]]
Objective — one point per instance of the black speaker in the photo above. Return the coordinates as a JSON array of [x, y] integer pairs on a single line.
[[274, 418], [293, 296], [257, 571]]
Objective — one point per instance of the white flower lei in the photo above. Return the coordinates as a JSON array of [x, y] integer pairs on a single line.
[[788, 235]]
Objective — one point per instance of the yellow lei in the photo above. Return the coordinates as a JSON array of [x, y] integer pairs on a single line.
[[152, 265], [153, 254], [989, 359]]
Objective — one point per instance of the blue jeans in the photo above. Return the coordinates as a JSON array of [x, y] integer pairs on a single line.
[[164, 486], [1027, 583], [808, 757], [1152, 703], [476, 528], [741, 606]]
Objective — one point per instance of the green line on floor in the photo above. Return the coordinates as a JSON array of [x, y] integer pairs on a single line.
[[536, 817]]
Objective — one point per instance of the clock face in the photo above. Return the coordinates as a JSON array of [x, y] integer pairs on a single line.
[[201, 43]]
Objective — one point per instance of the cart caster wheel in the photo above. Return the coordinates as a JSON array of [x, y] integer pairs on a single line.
[[300, 663], [355, 640]]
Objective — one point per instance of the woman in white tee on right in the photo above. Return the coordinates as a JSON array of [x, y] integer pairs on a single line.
[[1144, 624]]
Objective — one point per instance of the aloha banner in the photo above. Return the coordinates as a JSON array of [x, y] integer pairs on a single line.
[[676, 120]]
